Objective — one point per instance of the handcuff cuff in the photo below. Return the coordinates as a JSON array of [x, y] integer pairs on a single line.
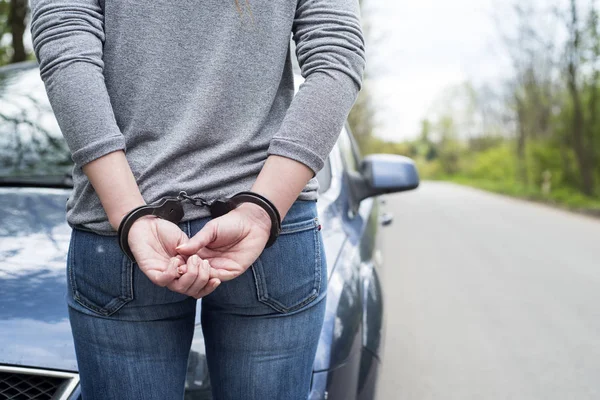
[[170, 209]]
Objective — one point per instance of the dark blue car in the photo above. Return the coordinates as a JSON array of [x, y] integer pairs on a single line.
[[37, 357]]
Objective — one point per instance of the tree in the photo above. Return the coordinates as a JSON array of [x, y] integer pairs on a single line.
[[13, 22], [17, 20], [531, 90], [574, 56], [361, 118], [592, 126], [4, 29]]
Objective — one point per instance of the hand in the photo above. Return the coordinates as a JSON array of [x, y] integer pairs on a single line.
[[195, 279], [232, 242], [152, 242]]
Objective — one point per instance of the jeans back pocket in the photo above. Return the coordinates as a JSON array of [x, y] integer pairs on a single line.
[[288, 274], [100, 274]]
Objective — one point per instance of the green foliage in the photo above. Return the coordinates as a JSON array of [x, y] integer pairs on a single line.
[[4, 11], [545, 157], [376, 145], [496, 164], [483, 143], [13, 21], [5, 50], [449, 156], [565, 197], [361, 118]]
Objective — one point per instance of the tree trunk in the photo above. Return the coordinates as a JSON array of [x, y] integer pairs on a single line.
[[593, 102], [578, 123], [522, 141], [578, 126], [16, 20]]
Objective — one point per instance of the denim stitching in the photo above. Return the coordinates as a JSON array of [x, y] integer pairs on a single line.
[[70, 266], [116, 303], [87, 304], [318, 269], [76, 295], [261, 287], [126, 281], [301, 226], [130, 276], [256, 279], [315, 291]]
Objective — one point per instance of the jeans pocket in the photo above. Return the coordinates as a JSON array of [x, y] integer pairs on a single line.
[[100, 274], [288, 274]]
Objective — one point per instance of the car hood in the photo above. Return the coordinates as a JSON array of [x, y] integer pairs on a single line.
[[34, 238]]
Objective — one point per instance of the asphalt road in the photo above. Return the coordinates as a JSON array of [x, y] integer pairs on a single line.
[[489, 297]]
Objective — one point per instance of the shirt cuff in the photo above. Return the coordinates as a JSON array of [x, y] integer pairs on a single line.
[[297, 152], [98, 149]]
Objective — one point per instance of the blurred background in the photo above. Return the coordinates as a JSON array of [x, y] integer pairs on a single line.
[[501, 95]]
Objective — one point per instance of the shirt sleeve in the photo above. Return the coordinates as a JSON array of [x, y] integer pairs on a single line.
[[331, 54], [68, 38]]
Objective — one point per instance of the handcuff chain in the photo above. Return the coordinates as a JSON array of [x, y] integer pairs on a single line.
[[197, 201], [170, 209]]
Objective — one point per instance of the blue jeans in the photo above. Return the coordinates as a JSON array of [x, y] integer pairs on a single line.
[[132, 338]]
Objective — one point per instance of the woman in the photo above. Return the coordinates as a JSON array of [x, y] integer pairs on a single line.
[[158, 97]]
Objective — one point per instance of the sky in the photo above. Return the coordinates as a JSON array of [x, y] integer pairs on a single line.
[[417, 49]]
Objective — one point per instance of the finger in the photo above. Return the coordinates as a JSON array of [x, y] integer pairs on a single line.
[[210, 287], [206, 253], [201, 239], [223, 275], [183, 238], [201, 280], [182, 268], [185, 281], [224, 269], [163, 278]]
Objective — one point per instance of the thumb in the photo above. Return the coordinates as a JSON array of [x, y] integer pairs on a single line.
[[204, 237]]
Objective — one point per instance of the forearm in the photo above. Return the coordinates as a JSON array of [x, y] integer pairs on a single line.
[[281, 180], [68, 39], [115, 185], [331, 55]]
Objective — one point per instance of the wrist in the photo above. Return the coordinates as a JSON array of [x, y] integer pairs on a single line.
[[274, 227], [281, 180], [115, 217], [257, 213]]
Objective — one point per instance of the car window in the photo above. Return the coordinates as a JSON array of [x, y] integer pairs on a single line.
[[349, 151], [31, 143], [324, 176], [355, 149]]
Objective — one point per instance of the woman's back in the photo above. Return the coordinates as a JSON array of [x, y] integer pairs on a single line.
[[197, 89], [199, 95]]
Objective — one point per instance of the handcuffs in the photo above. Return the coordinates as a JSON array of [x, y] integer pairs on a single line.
[[170, 209]]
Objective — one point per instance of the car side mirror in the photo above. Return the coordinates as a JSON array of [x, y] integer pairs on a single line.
[[387, 173]]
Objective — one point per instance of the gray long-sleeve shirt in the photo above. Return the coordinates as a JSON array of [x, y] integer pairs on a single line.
[[197, 93]]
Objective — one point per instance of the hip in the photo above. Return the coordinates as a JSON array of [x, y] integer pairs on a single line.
[[286, 277]]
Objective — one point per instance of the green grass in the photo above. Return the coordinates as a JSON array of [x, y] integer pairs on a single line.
[[562, 197]]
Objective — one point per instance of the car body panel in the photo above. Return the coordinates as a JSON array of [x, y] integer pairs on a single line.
[[34, 238]]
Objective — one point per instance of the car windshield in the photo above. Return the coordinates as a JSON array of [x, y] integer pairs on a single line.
[[32, 150]]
